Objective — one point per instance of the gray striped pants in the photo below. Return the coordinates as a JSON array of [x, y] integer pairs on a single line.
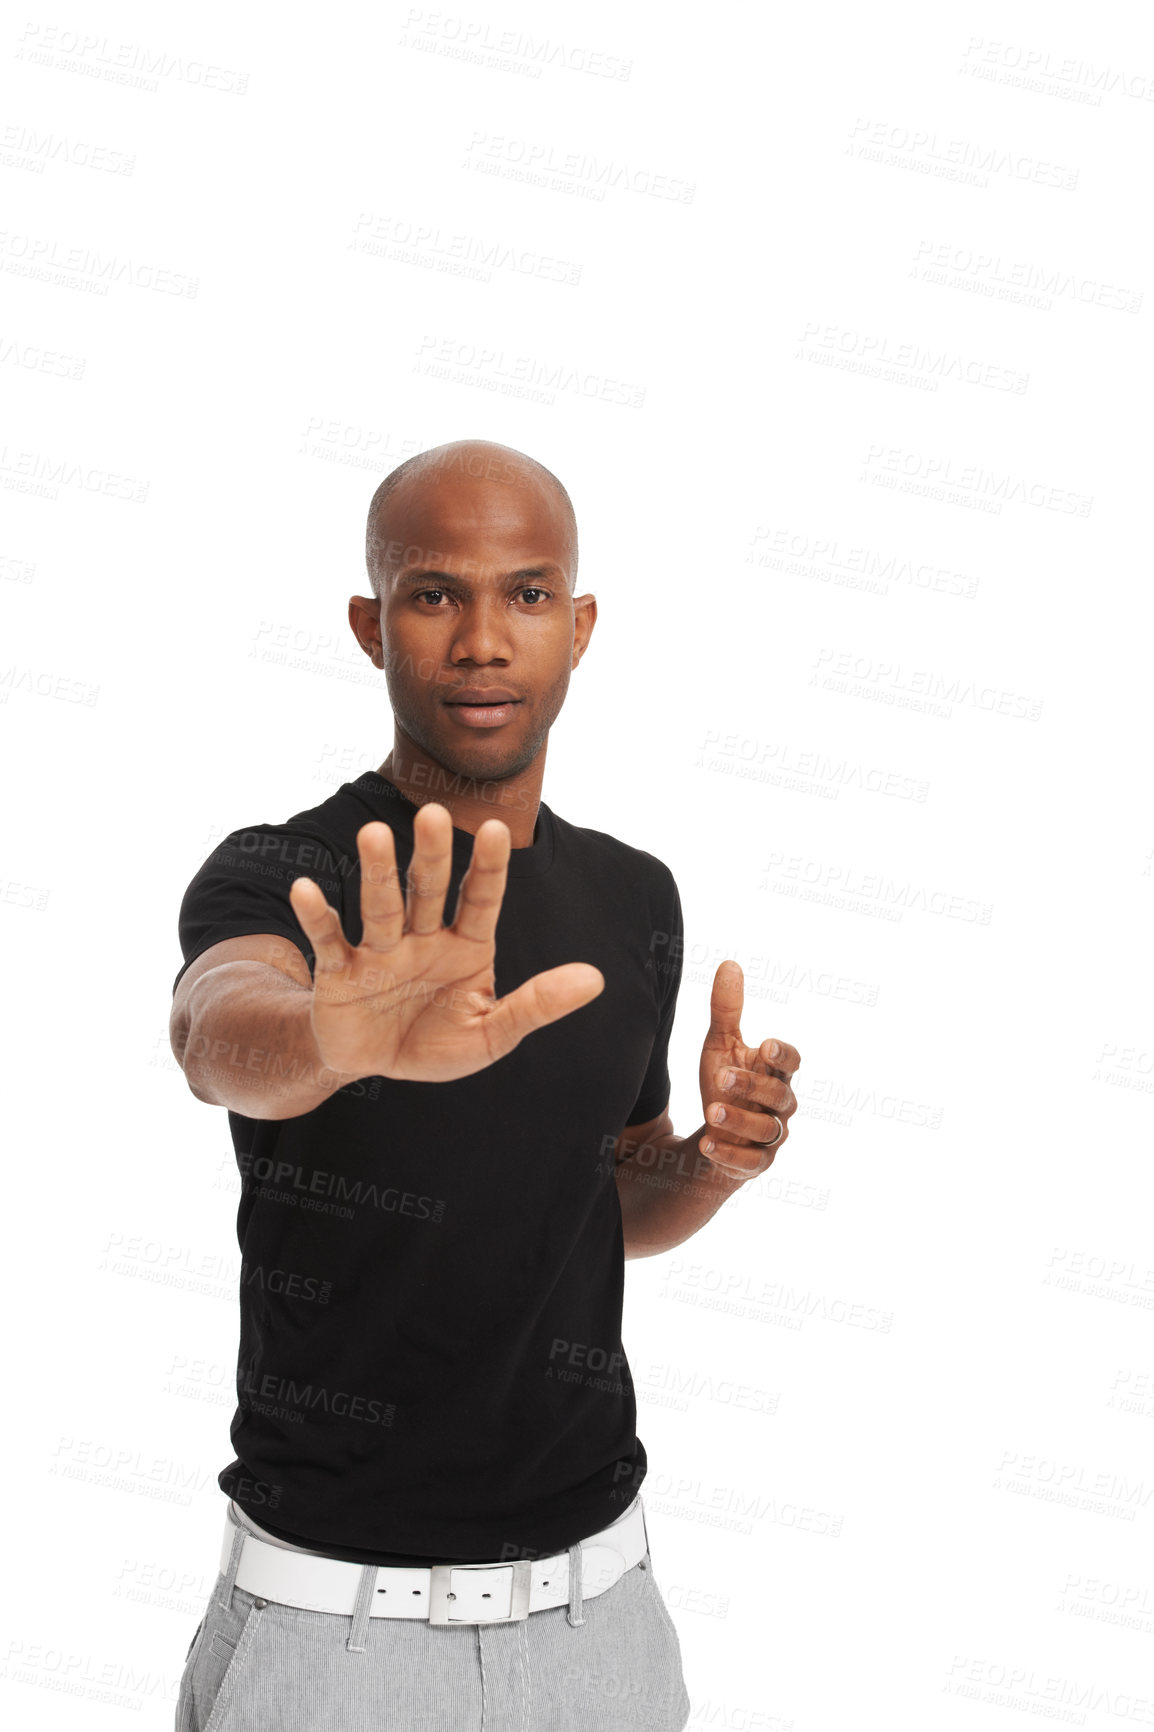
[[609, 1664]]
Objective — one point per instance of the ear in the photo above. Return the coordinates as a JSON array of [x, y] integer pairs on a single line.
[[365, 620], [584, 619]]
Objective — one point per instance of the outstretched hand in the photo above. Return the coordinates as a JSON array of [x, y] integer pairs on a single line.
[[415, 999], [742, 1140]]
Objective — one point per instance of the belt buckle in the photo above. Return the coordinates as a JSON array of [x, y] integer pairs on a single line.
[[441, 1594]]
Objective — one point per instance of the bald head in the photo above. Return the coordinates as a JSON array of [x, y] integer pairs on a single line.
[[472, 464]]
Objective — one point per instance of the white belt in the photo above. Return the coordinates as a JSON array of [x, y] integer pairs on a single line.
[[439, 1593]]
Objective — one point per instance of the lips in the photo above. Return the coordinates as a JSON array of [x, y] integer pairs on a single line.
[[482, 706], [477, 696]]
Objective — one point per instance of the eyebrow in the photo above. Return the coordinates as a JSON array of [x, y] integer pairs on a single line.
[[410, 579]]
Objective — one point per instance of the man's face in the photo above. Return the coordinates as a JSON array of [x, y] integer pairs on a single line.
[[475, 598]]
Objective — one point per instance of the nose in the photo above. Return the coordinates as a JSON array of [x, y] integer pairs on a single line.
[[482, 631]]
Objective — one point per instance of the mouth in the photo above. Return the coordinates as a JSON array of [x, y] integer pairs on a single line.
[[479, 712]]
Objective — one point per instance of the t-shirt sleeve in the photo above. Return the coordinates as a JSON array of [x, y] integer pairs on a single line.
[[243, 887], [667, 942]]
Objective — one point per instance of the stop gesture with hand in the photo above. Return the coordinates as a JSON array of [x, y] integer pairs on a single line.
[[415, 1000]]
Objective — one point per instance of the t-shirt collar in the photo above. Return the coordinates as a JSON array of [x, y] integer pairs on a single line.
[[386, 797]]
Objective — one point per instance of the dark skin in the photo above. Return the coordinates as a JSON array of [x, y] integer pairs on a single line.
[[477, 578]]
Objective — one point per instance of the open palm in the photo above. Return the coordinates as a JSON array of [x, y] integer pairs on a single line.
[[415, 999]]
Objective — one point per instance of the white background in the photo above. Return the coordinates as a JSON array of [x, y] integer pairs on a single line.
[[868, 537]]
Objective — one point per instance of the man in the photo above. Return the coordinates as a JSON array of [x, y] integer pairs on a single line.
[[438, 1015]]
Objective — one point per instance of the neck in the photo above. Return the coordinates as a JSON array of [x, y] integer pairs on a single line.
[[469, 799]]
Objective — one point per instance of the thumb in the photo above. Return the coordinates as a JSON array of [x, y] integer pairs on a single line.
[[726, 1002], [544, 999]]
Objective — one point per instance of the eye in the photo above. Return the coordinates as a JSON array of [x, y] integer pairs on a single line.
[[533, 591]]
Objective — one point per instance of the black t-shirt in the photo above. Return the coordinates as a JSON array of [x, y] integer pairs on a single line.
[[430, 1365]]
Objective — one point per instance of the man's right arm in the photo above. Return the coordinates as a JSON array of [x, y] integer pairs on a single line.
[[241, 1029]]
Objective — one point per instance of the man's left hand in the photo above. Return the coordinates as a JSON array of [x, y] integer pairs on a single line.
[[740, 1129]]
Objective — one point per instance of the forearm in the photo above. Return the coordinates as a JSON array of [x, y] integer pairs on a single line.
[[246, 1043], [668, 1191]]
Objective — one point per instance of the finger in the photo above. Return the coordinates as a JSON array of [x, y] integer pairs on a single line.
[[544, 999], [740, 1163], [430, 867], [483, 886], [771, 1092], [382, 899], [786, 1060], [756, 1127], [322, 927], [725, 1005]]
